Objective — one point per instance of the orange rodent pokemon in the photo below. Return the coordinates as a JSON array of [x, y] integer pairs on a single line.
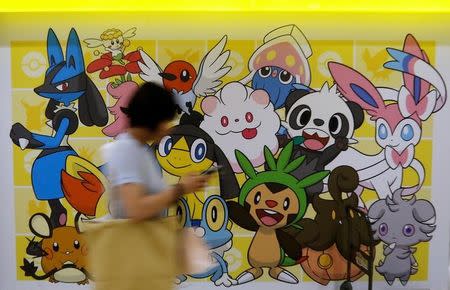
[[63, 252]]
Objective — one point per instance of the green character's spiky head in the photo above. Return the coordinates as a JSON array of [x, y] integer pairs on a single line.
[[279, 174]]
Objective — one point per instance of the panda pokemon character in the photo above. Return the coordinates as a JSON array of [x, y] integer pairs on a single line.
[[322, 123]]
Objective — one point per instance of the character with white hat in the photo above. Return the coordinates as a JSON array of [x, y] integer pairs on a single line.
[[279, 63]]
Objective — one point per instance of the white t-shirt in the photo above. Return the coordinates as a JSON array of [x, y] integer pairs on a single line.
[[129, 161]]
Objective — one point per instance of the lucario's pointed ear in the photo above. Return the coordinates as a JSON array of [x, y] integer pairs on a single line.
[[245, 164], [229, 187], [54, 50], [74, 54]]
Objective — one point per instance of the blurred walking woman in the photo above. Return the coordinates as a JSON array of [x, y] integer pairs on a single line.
[[139, 194]]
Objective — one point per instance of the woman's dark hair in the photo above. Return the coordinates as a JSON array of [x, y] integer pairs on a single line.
[[150, 106]]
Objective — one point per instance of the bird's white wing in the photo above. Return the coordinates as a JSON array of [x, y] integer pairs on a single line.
[[149, 69], [93, 42], [212, 69], [130, 33]]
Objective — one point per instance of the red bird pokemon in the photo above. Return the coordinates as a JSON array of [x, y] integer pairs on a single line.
[[182, 79]]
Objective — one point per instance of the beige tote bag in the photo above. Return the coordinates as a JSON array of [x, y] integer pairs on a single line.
[[126, 255]]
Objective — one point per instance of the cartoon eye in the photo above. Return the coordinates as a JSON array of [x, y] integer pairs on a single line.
[[286, 203], [409, 230], [55, 247], [383, 229], [265, 71], [198, 150], [285, 77], [184, 75], [62, 87], [382, 132], [407, 132], [76, 244], [249, 117], [257, 198], [224, 121], [335, 124], [112, 42], [165, 146], [215, 215], [181, 213], [300, 117], [117, 41]]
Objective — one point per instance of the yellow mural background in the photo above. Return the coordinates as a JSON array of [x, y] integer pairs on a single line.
[[29, 61]]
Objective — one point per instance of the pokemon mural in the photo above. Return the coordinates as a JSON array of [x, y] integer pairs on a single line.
[[308, 145]]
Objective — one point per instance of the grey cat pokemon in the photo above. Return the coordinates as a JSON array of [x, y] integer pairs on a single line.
[[401, 224]]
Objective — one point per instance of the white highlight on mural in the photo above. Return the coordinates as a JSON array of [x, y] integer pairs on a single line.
[[234, 259], [323, 60], [29, 158], [236, 61], [34, 64]]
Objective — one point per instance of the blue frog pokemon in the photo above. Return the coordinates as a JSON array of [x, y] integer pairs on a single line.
[[212, 228]]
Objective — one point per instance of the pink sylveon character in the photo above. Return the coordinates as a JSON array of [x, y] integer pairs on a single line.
[[122, 94], [398, 124]]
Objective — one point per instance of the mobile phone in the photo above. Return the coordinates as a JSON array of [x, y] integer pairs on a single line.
[[211, 170]]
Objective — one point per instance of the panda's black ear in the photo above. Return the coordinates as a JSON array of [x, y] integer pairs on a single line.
[[357, 112], [294, 96]]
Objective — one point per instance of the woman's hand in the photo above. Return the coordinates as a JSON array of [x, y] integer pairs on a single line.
[[193, 182]]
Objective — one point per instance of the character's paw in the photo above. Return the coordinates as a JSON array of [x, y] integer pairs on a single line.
[[52, 280], [245, 278], [287, 277], [20, 135], [390, 282], [404, 282], [180, 279], [342, 143], [84, 282], [29, 268], [225, 280]]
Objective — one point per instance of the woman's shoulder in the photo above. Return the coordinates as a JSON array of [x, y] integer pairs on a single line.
[[119, 147]]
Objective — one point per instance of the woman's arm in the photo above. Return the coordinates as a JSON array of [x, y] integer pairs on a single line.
[[141, 206]]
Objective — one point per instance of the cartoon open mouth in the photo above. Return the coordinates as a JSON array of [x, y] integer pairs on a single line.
[[69, 264], [314, 140], [249, 133], [269, 217], [177, 167]]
